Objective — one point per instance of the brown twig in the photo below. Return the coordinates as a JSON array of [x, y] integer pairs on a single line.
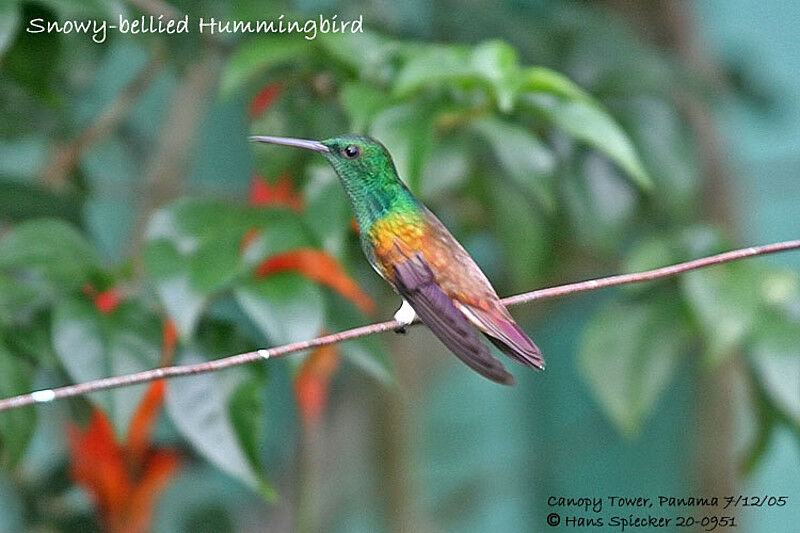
[[49, 395]]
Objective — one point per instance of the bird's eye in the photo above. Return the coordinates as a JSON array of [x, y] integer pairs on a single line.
[[351, 152]]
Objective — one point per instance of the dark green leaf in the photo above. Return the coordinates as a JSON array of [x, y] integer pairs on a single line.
[[361, 102], [446, 168], [327, 211], [246, 406], [50, 251], [256, 56], [368, 54], [496, 61], [407, 131], [20, 201], [435, 66], [523, 157], [368, 354], [9, 22], [17, 300], [544, 80], [79, 343], [16, 425], [191, 260], [599, 204], [523, 235]]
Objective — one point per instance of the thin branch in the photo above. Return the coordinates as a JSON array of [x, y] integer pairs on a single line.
[[49, 395]]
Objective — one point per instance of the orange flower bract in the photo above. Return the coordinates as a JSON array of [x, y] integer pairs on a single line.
[[124, 479], [321, 267]]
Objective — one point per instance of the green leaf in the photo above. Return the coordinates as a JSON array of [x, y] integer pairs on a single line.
[[20, 201], [777, 327], [523, 157], [9, 22], [80, 345], [598, 203], [257, 56], [496, 61], [524, 236], [327, 211], [435, 66], [361, 102], [216, 262], [182, 303], [92, 346], [368, 54], [588, 122], [654, 252], [285, 307], [545, 80], [246, 406], [199, 410], [191, 260], [368, 354], [725, 301], [17, 300], [628, 355], [779, 373], [48, 251], [16, 425], [133, 340], [407, 131], [491, 64], [446, 168]]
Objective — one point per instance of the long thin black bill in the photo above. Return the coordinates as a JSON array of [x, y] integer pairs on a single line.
[[287, 141]]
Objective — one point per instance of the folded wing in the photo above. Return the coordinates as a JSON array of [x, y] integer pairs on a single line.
[[416, 283], [500, 328]]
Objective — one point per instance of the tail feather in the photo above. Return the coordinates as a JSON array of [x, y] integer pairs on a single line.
[[504, 333]]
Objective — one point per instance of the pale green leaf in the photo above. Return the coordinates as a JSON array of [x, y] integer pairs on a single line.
[[286, 307], [589, 123], [726, 303], [628, 355], [199, 410]]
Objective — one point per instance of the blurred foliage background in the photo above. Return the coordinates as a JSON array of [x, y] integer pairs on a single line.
[[558, 140]]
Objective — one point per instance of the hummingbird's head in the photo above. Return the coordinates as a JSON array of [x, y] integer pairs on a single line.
[[358, 160]]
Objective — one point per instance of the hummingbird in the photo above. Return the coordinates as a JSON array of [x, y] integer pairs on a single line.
[[411, 249]]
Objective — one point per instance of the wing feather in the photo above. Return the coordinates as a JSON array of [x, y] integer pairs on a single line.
[[415, 282], [500, 328]]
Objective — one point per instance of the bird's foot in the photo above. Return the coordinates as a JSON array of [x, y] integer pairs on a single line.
[[405, 316]]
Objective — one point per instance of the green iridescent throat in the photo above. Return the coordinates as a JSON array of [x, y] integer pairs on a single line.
[[372, 183]]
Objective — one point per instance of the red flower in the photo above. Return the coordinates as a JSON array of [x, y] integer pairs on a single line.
[[263, 100], [107, 301], [125, 478], [282, 193], [312, 383]]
